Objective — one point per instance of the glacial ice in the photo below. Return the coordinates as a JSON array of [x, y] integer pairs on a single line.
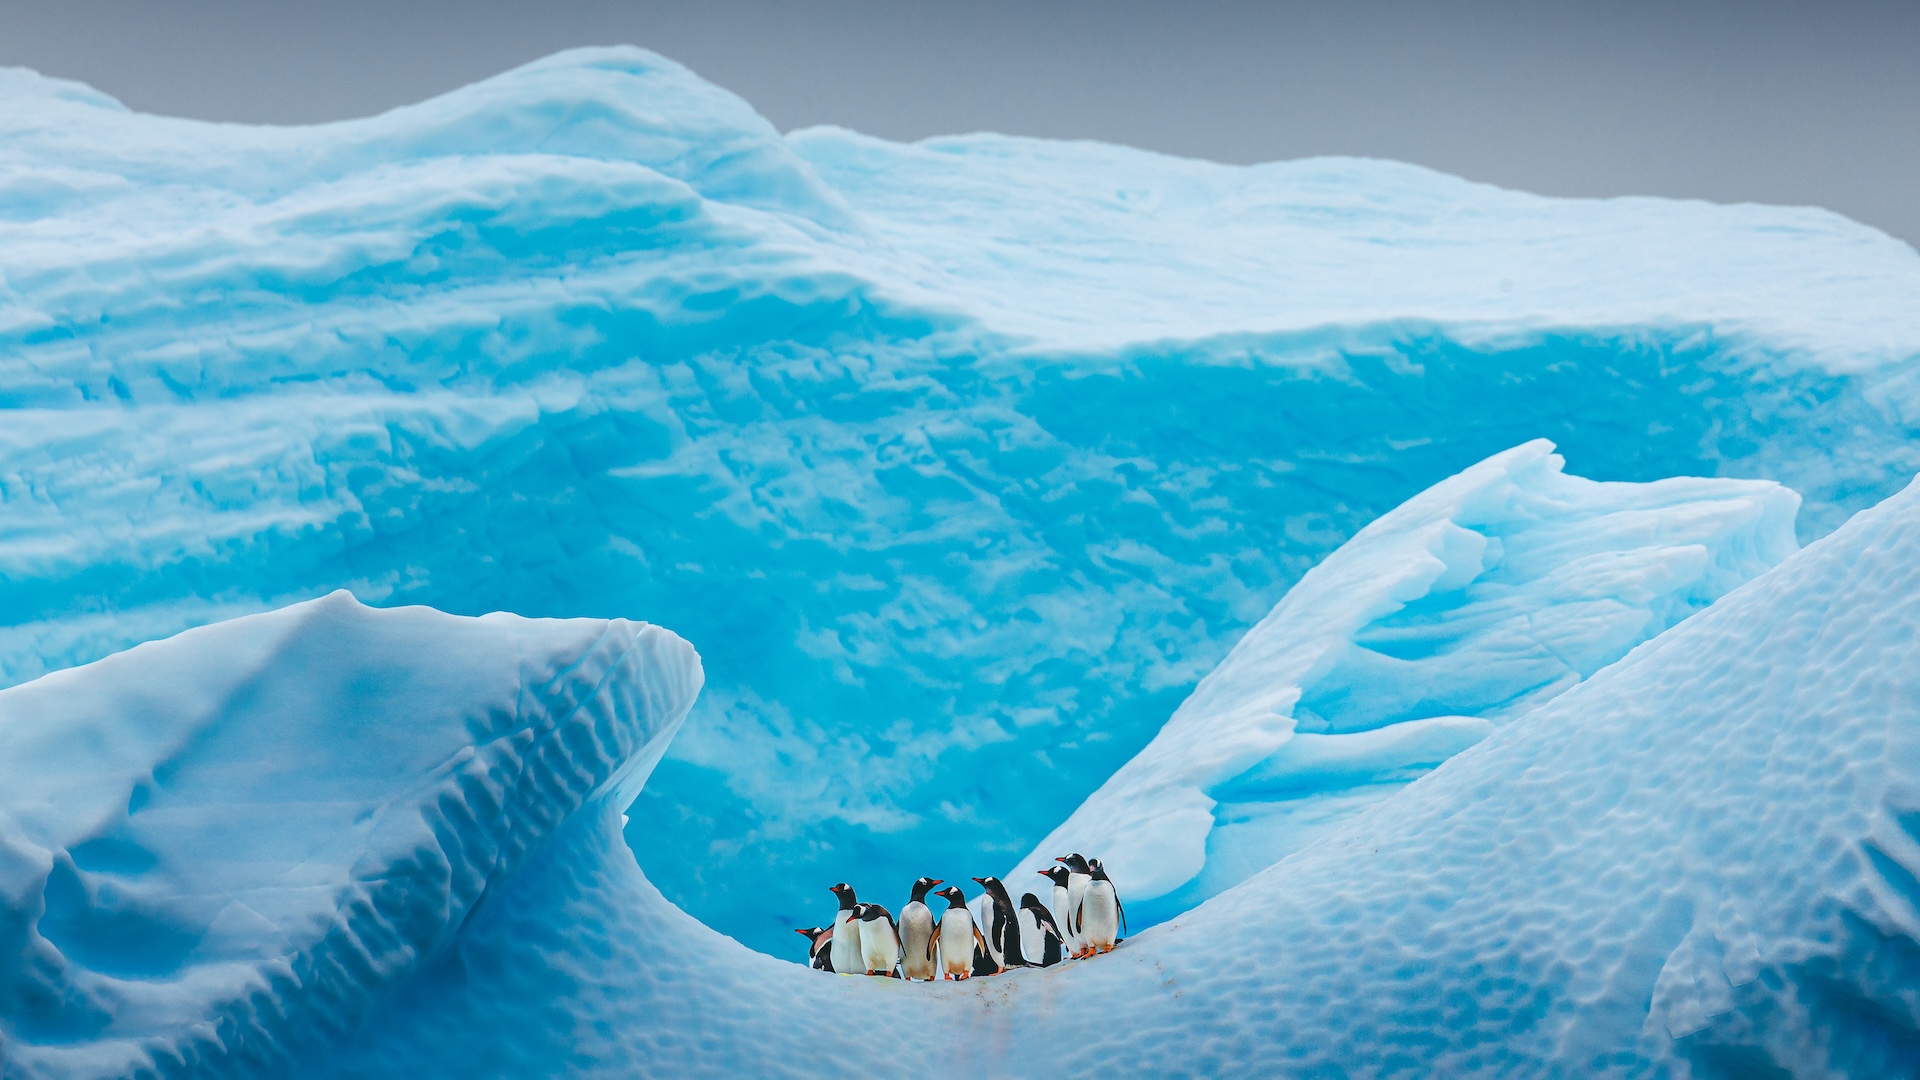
[[1700, 861], [961, 461], [1471, 604]]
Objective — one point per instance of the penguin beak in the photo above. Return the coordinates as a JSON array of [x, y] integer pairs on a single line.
[[936, 881], [980, 880], [1042, 873]]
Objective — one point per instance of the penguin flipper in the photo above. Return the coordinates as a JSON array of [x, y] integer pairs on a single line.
[[1122, 908]]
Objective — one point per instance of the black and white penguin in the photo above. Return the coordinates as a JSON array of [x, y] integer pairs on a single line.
[[879, 940], [1058, 905], [846, 933], [819, 947], [1052, 945], [919, 953], [959, 940], [1003, 936], [1077, 878], [1101, 916]]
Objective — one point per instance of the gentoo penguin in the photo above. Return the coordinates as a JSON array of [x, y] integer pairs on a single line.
[[846, 933], [1101, 915], [879, 940], [1077, 878], [959, 939], [1003, 936], [1051, 943], [1058, 875], [918, 951], [819, 947]]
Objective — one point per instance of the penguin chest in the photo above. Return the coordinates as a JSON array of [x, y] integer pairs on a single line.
[[916, 941], [1100, 915], [1060, 911], [956, 942], [879, 947], [846, 945]]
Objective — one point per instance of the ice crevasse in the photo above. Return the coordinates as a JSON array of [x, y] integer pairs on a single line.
[[961, 462]]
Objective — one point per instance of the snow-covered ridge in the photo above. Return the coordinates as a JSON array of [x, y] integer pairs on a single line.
[[966, 458], [220, 852], [1469, 605]]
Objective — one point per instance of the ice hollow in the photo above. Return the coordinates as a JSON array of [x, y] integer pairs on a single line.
[[357, 842]]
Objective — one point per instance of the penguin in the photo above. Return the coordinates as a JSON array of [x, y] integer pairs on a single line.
[[1077, 878], [1003, 936], [1058, 875], [1101, 916], [879, 940], [819, 947], [1051, 943], [918, 951], [960, 941], [846, 933]]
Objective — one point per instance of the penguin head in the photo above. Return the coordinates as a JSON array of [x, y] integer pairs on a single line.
[[870, 912], [997, 890], [953, 895], [1076, 862], [1056, 874], [1032, 903], [812, 932], [921, 885], [845, 892], [1099, 872]]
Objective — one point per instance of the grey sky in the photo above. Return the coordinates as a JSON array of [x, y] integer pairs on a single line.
[[1759, 101]]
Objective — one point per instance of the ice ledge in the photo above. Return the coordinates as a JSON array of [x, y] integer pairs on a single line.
[[218, 851]]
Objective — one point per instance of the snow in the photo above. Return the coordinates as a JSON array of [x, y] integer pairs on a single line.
[[1473, 603], [961, 462], [1701, 860]]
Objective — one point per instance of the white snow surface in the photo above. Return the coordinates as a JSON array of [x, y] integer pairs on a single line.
[[1471, 604], [1700, 861], [959, 459]]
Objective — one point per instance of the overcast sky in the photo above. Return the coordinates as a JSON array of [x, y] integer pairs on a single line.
[[1797, 103]]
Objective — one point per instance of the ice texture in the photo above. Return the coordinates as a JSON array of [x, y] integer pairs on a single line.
[[1474, 602], [221, 853], [1700, 861], [961, 461]]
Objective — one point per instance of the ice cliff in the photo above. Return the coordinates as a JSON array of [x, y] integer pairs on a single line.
[[961, 462]]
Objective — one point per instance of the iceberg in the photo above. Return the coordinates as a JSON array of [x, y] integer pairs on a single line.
[[961, 462], [1471, 604], [1702, 859]]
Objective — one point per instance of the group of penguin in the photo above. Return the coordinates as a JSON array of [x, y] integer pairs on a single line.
[[1084, 918]]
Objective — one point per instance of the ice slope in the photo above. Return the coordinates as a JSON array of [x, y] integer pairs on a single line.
[[221, 852], [961, 461], [1474, 602], [1701, 861]]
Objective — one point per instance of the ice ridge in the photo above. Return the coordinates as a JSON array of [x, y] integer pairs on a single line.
[[1472, 603], [221, 852]]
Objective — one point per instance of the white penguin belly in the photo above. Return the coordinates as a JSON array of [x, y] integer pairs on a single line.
[[846, 945], [916, 942], [956, 942], [879, 948], [1100, 915], [1076, 894], [1060, 920]]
